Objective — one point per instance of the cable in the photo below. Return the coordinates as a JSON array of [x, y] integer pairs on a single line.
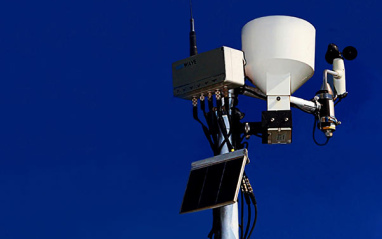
[[223, 143], [223, 129], [248, 201], [210, 104], [210, 234], [305, 109], [221, 123], [214, 128], [205, 129], [340, 97], [242, 214], [203, 107], [314, 132], [253, 199], [215, 223], [338, 101], [254, 91], [217, 125], [245, 191], [247, 188], [210, 123], [226, 104]]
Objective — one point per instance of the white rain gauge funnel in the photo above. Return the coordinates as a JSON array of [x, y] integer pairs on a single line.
[[279, 53]]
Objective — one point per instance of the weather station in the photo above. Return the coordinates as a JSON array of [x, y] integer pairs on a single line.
[[277, 57]]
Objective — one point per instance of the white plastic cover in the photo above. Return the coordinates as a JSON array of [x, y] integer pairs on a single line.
[[339, 82], [278, 46]]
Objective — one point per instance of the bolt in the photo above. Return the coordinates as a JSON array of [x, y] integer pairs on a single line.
[[272, 119], [278, 98], [286, 119]]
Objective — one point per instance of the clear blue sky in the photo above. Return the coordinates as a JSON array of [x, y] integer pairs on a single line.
[[94, 145]]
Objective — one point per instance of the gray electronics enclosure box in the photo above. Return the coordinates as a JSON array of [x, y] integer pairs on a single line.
[[208, 72]]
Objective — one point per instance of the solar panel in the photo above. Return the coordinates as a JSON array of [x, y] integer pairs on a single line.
[[214, 182]]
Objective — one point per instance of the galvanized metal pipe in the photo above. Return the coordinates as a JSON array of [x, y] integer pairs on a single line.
[[228, 215]]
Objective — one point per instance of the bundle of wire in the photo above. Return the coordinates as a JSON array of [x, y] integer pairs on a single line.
[[215, 124], [248, 196]]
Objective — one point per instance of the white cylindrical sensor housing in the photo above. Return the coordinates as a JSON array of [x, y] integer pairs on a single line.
[[278, 46], [339, 82]]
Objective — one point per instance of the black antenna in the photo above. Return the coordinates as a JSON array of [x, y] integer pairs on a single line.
[[193, 48]]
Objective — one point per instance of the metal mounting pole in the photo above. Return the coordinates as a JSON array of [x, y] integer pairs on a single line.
[[227, 215]]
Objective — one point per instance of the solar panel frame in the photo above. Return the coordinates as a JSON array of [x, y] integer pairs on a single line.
[[214, 182]]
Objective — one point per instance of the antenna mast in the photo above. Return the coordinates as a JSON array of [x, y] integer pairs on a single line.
[[193, 48]]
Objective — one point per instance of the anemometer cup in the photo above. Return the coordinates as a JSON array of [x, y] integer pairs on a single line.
[[349, 53], [332, 53]]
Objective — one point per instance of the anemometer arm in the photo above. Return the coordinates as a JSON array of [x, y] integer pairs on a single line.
[[327, 121], [323, 104], [305, 105]]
